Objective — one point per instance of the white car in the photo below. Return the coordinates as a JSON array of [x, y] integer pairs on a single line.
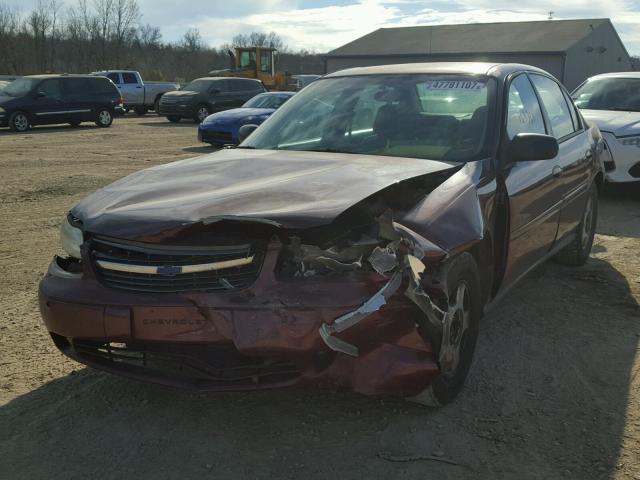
[[612, 102]]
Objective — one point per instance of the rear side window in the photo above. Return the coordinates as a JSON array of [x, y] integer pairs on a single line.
[[114, 77], [555, 105], [129, 78], [51, 88], [101, 85], [523, 113], [240, 86], [222, 85], [76, 86]]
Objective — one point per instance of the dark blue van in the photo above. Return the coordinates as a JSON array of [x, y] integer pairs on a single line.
[[49, 99]]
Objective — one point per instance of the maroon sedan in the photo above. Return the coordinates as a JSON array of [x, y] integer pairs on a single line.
[[354, 240]]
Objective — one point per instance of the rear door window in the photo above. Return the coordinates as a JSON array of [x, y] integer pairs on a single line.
[[523, 112], [129, 78], [114, 77], [101, 85], [76, 87], [555, 105], [51, 88], [222, 85]]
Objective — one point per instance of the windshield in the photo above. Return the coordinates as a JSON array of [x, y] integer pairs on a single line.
[[199, 86], [266, 101], [418, 116], [20, 87], [609, 94]]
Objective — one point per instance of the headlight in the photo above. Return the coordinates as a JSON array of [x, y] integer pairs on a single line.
[[2, 110], [71, 238], [633, 141]]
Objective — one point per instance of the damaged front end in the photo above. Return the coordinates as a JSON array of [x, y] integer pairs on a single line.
[[397, 254], [355, 301]]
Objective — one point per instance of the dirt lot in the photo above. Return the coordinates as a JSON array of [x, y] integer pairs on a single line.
[[553, 393]]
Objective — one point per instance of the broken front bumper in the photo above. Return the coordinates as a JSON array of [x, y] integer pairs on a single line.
[[268, 335]]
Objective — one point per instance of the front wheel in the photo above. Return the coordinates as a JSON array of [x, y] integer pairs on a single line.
[[577, 252], [19, 122], [104, 118], [459, 332], [201, 113]]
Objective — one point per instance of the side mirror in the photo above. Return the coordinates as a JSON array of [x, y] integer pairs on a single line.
[[245, 131], [215, 91], [527, 147], [41, 95]]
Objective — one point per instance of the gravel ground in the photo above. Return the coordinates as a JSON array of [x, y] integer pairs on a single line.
[[553, 392]]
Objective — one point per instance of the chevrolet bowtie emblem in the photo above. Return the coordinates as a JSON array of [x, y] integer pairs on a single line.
[[169, 270]]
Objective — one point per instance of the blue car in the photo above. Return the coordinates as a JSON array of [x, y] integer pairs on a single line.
[[222, 128]]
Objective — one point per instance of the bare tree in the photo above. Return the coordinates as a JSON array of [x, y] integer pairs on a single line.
[[126, 15], [192, 40], [259, 39], [104, 19]]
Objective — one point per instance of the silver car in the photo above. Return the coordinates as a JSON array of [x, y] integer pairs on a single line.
[[612, 102]]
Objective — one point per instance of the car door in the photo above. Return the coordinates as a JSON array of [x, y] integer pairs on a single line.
[[77, 99], [573, 162], [49, 106], [132, 89], [242, 90], [221, 95], [534, 192]]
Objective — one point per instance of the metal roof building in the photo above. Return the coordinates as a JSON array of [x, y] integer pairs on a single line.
[[571, 50]]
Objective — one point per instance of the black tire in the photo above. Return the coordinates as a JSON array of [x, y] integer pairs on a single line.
[[104, 117], [174, 118], [141, 110], [202, 112], [156, 106], [461, 272], [19, 122], [577, 252]]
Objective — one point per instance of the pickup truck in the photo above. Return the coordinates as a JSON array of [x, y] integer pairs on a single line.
[[138, 95]]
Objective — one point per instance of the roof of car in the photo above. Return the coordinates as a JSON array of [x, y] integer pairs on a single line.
[[439, 68], [60, 75], [617, 75], [229, 78], [288, 94]]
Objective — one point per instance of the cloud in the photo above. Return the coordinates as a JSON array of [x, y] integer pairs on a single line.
[[324, 28]]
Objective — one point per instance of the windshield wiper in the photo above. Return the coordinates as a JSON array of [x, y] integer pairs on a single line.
[[326, 150]]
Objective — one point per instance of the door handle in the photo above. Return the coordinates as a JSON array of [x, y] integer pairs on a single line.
[[138, 86], [557, 171]]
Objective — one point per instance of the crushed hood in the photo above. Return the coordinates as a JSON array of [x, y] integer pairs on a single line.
[[619, 123], [286, 188]]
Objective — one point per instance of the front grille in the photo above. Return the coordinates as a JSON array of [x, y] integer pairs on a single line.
[[222, 136], [195, 365], [135, 254], [168, 100]]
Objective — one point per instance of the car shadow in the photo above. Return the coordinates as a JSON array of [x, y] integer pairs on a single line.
[[201, 149], [58, 128], [185, 122], [546, 398], [614, 220]]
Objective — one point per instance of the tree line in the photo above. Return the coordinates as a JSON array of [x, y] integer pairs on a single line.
[[93, 35]]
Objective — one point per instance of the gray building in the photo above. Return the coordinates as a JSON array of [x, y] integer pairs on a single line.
[[571, 50]]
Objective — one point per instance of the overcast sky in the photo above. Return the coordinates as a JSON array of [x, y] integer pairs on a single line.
[[321, 25]]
